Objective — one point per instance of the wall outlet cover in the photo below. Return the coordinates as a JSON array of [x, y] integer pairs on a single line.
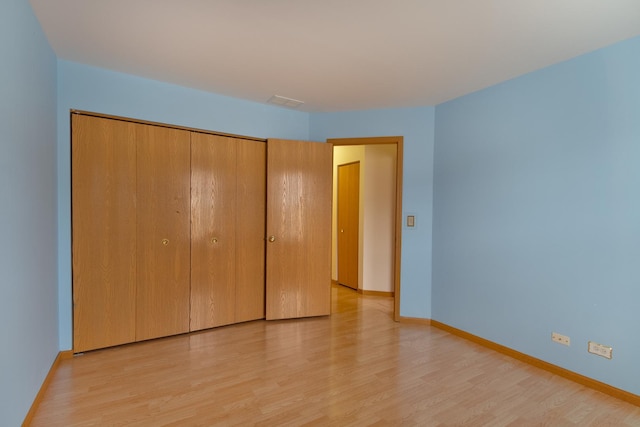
[[560, 339], [600, 350]]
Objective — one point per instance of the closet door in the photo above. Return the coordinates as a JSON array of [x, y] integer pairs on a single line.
[[250, 230], [163, 232], [299, 187], [213, 230], [227, 230], [103, 193]]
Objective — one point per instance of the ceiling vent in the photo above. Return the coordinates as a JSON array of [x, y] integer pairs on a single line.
[[284, 101]]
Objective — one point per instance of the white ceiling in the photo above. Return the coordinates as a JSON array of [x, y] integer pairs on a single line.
[[334, 55]]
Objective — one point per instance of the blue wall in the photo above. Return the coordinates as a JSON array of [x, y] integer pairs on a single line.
[[87, 88], [537, 213], [416, 125], [28, 304]]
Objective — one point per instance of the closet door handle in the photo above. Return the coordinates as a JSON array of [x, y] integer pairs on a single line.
[[165, 242], [272, 239], [214, 240]]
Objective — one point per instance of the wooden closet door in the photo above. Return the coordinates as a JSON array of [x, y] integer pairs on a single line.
[[298, 270], [250, 229], [213, 230], [163, 232], [348, 223], [103, 194]]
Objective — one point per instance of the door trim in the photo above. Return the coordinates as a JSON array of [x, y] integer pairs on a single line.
[[398, 141], [164, 125]]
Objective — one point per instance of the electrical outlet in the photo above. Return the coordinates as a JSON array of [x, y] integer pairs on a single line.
[[560, 339], [601, 350]]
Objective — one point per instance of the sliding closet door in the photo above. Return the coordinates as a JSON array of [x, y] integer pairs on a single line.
[[299, 190], [213, 228], [103, 167], [163, 232]]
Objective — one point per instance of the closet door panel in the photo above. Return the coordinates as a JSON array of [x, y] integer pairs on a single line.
[[250, 230], [104, 232], [299, 193], [163, 232], [213, 225]]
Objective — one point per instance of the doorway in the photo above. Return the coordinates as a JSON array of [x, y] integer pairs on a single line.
[[394, 253]]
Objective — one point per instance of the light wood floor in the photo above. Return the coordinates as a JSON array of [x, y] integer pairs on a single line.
[[356, 367]]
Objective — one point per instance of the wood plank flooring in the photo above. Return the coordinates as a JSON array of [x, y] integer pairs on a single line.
[[354, 368]]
